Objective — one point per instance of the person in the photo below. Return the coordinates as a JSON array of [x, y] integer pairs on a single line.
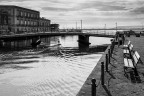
[[35, 43], [59, 45]]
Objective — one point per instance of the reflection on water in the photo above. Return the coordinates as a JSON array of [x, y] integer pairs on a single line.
[[49, 72]]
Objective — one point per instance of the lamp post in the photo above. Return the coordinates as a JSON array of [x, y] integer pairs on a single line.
[[116, 26], [81, 25], [76, 26], [105, 28], [142, 26]]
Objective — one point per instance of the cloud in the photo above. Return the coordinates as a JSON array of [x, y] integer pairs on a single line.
[[13, 0], [97, 5], [112, 8], [137, 11], [54, 9], [90, 10]]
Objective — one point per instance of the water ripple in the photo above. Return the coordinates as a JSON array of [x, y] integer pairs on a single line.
[[55, 74]]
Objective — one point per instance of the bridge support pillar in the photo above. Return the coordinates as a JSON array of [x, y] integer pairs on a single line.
[[1, 43], [8, 44], [83, 42], [35, 41]]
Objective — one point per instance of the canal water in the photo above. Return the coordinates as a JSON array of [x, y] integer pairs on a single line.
[[59, 70]]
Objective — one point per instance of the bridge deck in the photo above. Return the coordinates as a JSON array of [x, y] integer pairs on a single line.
[[21, 36]]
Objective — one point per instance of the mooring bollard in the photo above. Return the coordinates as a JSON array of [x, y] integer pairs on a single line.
[[102, 73], [111, 49], [107, 62], [109, 55], [112, 44], [118, 41], [93, 87]]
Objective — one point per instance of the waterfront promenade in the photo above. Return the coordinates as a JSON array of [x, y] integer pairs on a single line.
[[116, 84]]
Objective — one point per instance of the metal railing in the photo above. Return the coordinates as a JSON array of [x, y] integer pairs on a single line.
[[104, 68]]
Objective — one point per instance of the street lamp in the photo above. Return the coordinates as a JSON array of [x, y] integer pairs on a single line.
[[116, 26], [81, 25], [105, 28]]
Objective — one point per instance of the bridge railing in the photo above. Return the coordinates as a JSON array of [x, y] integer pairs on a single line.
[[101, 32]]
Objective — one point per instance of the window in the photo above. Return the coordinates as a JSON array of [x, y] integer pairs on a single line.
[[20, 21], [9, 11], [25, 22], [28, 22], [28, 14], [21, 13], [25, 14], [18, 12], [0, 19], [31, 22], [31, 15], [34, 23]]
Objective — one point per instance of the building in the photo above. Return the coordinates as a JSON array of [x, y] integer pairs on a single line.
[[3, 21], [19, 20], [44, 25], [54, 27]]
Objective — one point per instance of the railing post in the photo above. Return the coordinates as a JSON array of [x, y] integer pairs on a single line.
[[93, 87], [102, 73], [107, 62], [112, 45]]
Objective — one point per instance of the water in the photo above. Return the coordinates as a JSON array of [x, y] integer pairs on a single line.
[[49, 72]]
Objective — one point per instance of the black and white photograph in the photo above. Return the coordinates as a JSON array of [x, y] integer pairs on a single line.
[[71, 47]]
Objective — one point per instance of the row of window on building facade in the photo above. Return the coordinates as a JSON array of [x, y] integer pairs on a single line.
[[27, 14], [22, 13], [32, 22], [17, 19]]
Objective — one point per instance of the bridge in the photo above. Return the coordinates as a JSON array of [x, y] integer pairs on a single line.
[[125, 29], [30, 39], [40, 34]]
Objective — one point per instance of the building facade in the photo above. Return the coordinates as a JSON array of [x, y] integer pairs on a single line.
[[17, 20], [44, 25], [54, 27], [4, 21]]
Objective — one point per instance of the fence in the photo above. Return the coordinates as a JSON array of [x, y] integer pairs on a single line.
[[104, 65]]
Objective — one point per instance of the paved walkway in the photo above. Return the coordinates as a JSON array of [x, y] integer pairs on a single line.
[[116, 84]]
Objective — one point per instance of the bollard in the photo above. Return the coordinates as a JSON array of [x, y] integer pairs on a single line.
[[118, 41], [109, 55], [93, 87], [111, 49], [123, 39], [102, 73], [107, 62]]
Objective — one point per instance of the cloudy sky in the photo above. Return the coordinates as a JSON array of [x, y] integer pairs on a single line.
[[93, 13]]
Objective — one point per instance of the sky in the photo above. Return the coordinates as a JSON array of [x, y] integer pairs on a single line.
[[93, 13]]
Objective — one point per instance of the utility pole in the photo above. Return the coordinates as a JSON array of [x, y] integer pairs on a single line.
[[105, 28], [116, 26], [142, 26], [81, 24], [76, 25]]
